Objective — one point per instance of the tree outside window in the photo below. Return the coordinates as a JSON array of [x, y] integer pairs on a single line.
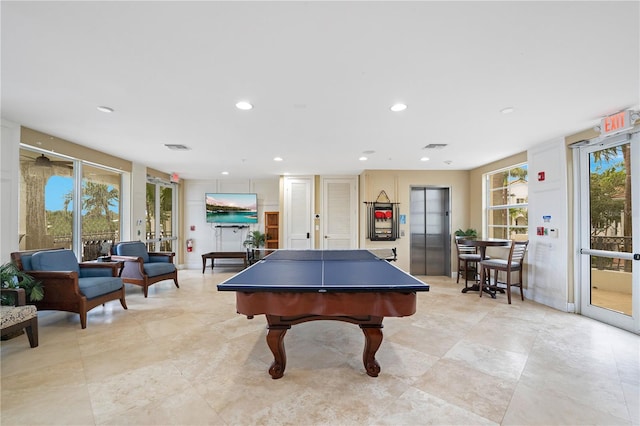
[[507, 203]]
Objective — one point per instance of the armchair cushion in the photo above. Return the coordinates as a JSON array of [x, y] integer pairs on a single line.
[[133, 248], [158, 268], [97, 286], [55, 260]]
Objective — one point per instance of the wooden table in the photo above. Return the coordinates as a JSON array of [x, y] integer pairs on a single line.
[[223, 255], [482, 245], [295, 286]]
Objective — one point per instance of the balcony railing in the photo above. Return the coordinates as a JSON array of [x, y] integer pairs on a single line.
[[609, 243]]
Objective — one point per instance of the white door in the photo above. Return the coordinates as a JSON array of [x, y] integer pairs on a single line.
[[339, 213], [608, 233], [298, 209]]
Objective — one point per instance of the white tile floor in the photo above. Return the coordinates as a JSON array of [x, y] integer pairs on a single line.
[[183, 356]]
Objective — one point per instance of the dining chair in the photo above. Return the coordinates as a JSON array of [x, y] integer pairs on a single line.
[[467, 255], [514, 263]]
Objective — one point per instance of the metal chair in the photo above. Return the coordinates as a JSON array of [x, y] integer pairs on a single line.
[[514, 263]]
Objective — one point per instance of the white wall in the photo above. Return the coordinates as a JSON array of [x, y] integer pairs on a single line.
[[206, 236], [9, 188], [547, 258]]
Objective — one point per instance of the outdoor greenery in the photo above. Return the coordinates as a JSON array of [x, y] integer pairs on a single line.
[[608, 195], [97, 203]]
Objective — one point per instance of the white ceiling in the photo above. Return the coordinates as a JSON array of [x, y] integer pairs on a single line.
[[321, 75]]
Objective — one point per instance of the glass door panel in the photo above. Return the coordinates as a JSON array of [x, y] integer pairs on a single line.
[[150, 227], [609, 286], [160, 217], [166, 237]]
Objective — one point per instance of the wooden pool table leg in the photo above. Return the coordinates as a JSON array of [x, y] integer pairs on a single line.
[[275, 340], [372, 341]]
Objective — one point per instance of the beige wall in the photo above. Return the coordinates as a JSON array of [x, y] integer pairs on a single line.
[[397, 185], [51, 143], [476, 187]]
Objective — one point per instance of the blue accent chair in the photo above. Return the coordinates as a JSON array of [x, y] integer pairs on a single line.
[[71, 286], [144, 268]]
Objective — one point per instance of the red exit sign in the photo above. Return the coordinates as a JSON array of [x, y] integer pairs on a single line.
[[616, 123]]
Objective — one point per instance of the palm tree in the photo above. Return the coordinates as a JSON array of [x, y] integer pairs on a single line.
[[608, 155], [98, 199]]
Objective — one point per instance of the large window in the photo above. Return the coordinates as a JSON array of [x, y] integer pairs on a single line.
[[65, 202], [507, 203]]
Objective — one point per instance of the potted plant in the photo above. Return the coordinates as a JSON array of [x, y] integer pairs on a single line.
[[12, 277], [255, 239], [469, 233]]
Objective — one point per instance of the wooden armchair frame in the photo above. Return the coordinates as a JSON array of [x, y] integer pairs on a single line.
[[134, 273], [62, 291]]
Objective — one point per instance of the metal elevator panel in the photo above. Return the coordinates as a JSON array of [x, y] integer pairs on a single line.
[[430, 231]]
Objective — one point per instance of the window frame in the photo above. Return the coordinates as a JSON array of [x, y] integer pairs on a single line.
[[489, 209]]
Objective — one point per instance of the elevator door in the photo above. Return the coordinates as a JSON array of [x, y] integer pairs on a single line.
[[430, 233]]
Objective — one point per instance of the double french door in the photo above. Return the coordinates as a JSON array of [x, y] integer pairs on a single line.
[[608, 195]]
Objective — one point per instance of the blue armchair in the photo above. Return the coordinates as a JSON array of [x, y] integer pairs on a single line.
[[144, 268], [71, 286]]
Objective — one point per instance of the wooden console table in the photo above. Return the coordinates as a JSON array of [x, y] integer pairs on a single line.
[[223, 255]]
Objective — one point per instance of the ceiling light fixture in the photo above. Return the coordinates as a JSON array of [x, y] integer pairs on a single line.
[[224, 173], [398, 107], [106, 109], [507, 110], [277, 159], [363, 158], [424, 159], [243, 105]]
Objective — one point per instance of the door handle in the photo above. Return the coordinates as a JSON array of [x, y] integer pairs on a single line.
[[308, 235]]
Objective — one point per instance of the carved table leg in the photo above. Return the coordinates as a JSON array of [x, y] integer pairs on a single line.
[[372, 341], [275, 340]]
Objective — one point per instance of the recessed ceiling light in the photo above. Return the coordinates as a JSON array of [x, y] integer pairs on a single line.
[[363, 158], [424, 159], [277, 158], [105, 109], [507, 110], [398, 107], [224, 173], [243, 105]]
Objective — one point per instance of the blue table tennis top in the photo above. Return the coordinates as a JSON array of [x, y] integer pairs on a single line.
[[323, 271]]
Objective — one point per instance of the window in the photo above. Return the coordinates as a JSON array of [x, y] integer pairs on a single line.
[[507, 203], [51, 210]]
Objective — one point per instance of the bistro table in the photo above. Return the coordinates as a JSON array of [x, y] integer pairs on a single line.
[[482, 245]]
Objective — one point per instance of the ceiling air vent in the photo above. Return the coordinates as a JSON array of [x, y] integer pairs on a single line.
[[434, 146], [177, 147]]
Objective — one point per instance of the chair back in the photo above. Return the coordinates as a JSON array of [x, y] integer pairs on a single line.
[[464, 249], [517, 252], [55, 260], [133, 248]]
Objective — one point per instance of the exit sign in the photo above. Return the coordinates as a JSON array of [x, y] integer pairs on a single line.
[[616, 123]]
